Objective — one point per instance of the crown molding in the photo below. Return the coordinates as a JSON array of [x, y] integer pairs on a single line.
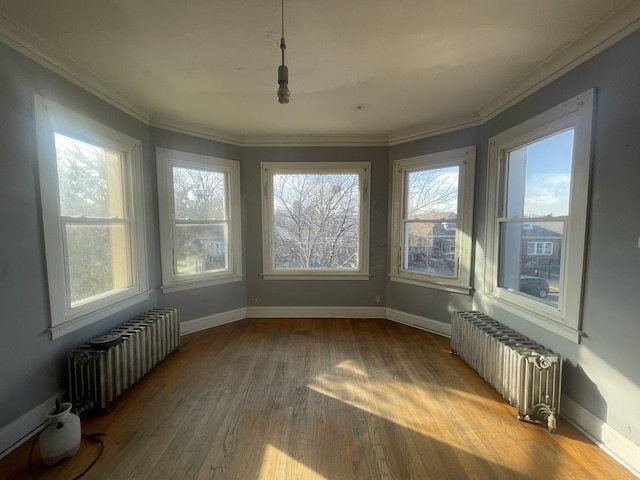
[[433, 129], [33, 47], [194, 130], [317, 141], [610, 30]]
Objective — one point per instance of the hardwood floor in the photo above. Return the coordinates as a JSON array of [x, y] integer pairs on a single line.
[[320, 399]]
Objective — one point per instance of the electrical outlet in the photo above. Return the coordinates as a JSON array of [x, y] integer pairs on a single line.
[[377, 298], [254, 299]]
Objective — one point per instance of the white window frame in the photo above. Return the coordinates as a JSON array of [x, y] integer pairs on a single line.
[[52, 118], [269, 169], [167, 159], [464, 158], [565, 319]]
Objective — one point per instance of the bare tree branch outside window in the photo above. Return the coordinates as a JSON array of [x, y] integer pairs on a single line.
[[201, 236], [316, 221]]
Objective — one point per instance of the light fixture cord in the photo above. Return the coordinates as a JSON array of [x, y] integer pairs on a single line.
[[282, 44]]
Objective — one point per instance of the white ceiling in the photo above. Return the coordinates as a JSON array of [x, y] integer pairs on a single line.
[[368, 69]]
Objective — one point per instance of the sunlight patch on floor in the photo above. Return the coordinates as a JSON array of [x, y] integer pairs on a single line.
[[278, 465], [399, 401], [412, 406]]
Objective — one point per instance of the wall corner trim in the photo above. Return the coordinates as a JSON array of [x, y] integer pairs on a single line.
[[417, 321], [210, 321]]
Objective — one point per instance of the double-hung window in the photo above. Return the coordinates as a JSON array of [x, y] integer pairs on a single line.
[[316, 220], [199, 205], [537, 213], [431, 220], [92, 208]]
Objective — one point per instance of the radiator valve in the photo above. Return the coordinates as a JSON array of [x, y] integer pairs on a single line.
[[542, 412], [552, 422]]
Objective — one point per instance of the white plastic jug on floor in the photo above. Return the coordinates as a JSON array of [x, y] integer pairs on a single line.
[[61, 438]]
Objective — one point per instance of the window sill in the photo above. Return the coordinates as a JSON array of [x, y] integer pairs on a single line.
[[201, 283], [72, 325], [315, 276], [540, 319], [448, 287]]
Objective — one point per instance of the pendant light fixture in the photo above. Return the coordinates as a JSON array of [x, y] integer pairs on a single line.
[[284, 95]]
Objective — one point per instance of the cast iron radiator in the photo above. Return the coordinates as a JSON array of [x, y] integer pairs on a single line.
[[104, 368], [526, 374]]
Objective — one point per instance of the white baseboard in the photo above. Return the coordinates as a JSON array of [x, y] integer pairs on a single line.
[[316, 312], [423, 323], [599, 432], [20, 430], [210, 321]]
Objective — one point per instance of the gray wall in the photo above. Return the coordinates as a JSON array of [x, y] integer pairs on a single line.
[[318, 292], [32, 367], [601, 374]]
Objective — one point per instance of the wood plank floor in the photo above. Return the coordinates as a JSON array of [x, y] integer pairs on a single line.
[[320, 399]]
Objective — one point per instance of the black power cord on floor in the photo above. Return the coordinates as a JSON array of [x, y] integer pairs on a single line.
[[94, 437]]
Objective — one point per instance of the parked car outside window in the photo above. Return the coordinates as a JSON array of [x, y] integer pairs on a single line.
[[534, 286]]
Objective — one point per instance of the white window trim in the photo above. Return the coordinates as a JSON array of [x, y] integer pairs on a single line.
[[51, 118], [565, 320], [465, 159], [269, 169], [166, 159]]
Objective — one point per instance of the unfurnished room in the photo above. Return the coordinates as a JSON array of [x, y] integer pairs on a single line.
[[304, 240]]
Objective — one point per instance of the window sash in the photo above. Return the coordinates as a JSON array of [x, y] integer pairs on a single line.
[[203, 267], [455, 270], [118, 262], [432, 270], [272, 169], [563, 319], [67, 316], [204, 271], [178, 221]]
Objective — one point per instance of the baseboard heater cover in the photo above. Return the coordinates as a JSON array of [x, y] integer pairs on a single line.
[[525, 373], [107, 366]]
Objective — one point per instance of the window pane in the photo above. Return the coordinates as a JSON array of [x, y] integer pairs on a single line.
[[432, 194], [430, 248], [99, 260], [200, 248], [199, 194], [316, 221], [531, 267], [89, 179], [539, 177]]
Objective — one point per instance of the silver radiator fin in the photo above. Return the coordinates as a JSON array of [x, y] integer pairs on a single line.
[[526, 374], [99, 376]]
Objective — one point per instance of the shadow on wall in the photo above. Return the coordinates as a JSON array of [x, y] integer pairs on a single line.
[[577, 384]]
